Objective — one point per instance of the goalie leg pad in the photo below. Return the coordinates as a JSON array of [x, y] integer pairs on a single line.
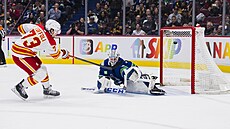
[[103, 83], [133, 74], [149, 81]]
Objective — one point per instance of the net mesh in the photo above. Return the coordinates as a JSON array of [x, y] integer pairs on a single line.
[[177, 54]]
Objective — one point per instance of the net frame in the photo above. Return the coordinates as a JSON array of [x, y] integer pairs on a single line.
[[193, 40]]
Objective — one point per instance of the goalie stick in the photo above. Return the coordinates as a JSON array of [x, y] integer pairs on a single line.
[[108, 90], [102, 66], [122, 91]]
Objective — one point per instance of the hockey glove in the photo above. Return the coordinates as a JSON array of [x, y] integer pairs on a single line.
[[65, 54]]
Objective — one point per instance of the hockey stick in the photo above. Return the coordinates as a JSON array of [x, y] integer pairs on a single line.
[[90, 62], [102, 66], [107, 90]]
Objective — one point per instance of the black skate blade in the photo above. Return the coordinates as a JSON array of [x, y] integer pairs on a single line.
[[158, 93], [3, 66], [50, 96], [16, 92]]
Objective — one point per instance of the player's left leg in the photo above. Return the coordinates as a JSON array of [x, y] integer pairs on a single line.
[[47, 88]]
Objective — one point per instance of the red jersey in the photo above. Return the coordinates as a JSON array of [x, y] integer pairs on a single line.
[[34, 39]]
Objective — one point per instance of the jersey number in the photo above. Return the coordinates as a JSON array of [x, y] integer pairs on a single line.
[[35, 39]]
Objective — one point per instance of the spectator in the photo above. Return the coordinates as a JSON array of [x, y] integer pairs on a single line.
[[175, 13], [54, 13], [107, 10], [103, 2], [137, 10], [144, 15], [128, 30], [129, 2], [227, 25], [41, 19], [138, 30], [155, 14], [27, 14], [115, 6], [218, 31], [31, 19], [103, 18], [185, 17], [9, 22], [36, 6], [129, 12], [42, 9], [116, 27], [149, 26], [216, 9], [74, 30], [174, 22], [14, 13], [104, 29], [119, 15], [142, 9], [1, 11], [82, 24], [97, 10], [92, 26], [91, 14], [209, 28], [137, 21]]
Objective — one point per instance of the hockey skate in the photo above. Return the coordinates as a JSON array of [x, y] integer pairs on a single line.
[[48, 92], [156, 91], [3, 65], [19, 90]]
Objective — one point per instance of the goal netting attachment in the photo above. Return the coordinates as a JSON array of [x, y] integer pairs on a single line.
[[185, 60]]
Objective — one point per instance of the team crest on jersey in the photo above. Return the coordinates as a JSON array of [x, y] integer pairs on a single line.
[[105, 72]]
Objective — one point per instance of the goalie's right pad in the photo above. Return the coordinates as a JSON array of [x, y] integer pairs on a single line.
[[133, 74], [149, 81], [102, 83]]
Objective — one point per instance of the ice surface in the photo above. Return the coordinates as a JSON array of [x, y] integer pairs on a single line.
[[77, 109]]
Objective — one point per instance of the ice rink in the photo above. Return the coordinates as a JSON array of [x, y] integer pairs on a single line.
[[76, 109]]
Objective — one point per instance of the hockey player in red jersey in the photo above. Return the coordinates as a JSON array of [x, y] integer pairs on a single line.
[[36, 38]]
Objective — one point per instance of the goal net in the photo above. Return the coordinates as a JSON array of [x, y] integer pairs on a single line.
[[185, 60]]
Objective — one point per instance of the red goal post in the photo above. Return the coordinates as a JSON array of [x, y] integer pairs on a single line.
[[192, 29]]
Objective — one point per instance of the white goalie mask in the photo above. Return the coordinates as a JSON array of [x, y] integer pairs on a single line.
[[113, 57], [53, 27]]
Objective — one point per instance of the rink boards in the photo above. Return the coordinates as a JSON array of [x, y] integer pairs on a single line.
[[144, 51]]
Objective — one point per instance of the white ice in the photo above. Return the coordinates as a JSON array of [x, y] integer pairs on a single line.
[[77, 109]]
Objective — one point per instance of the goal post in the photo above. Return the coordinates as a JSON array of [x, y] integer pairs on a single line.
[[185, 60]]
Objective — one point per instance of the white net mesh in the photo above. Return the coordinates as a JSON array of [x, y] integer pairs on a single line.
[[177, 54]]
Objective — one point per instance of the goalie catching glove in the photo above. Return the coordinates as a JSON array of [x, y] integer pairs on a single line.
[[65, 53]]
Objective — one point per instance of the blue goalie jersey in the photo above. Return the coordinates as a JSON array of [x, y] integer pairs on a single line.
[[117, 74]]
